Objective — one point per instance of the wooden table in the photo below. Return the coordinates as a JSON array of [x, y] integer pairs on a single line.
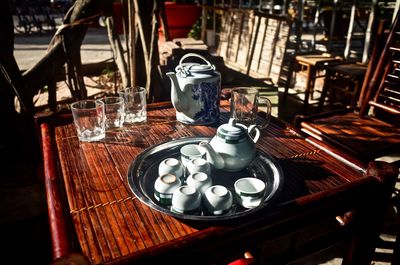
[[92, 210]]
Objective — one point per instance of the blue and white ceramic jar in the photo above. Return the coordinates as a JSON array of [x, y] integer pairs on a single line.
[[195, 91]]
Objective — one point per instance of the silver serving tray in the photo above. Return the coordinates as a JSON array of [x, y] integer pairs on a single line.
[[143, 172]]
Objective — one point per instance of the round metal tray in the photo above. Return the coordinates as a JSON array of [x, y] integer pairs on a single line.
[[143, 172]]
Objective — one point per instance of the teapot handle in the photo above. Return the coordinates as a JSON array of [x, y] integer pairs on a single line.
[[195, 55], [256, 136]]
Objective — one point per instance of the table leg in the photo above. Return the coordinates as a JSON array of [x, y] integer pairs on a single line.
[[309, 84], [313, 81], [324, 93], [370, 218]]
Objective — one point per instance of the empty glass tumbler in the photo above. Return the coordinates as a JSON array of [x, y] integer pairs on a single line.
[[115, 111], [135, 104], [245, 106], [89, 119]]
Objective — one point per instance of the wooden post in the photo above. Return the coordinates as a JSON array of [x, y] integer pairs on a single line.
[[316, 21], [333, 21], [299, 22], [350, 30], [204, 21], [131, 43], [367, 41]]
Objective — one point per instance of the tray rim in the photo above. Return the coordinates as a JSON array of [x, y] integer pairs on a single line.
[[135, 167]]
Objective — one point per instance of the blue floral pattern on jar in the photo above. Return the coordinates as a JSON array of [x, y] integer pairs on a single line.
[[207, 94]]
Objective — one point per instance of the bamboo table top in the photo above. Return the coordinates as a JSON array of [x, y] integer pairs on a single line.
[[113, 226]]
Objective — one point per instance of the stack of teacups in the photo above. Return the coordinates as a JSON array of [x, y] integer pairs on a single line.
[[198, 165], [186, 184], [164, 187], [171, 166], [200, 181], [170, 172], [216, 199], [169, 188], [189, 152]]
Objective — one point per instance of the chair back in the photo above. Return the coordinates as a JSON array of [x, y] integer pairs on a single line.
[[254, 43], [383, 89]]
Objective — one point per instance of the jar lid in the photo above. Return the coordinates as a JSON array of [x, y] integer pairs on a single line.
[[188, 69], [231, 133]]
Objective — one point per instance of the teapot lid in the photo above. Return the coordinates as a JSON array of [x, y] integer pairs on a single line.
[[231, 132], [188, 69]]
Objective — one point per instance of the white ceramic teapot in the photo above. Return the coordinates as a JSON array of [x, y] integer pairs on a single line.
[[232, 148], [195, 91]]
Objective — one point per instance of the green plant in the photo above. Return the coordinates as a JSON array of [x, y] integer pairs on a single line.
[[195, 32]]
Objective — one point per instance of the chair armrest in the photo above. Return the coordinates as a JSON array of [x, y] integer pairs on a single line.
[[63, 237], [59, 234], [304, 118]]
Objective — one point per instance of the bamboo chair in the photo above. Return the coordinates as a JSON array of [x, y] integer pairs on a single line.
[[344, 80], [373, 130], [343, 84], [253, 44], [343, 75]]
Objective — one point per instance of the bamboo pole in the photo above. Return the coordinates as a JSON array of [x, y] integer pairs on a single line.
[[131, 42], [368, 32], [350, 30]]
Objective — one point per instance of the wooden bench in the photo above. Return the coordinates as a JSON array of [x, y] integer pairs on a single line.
[[254, 44]]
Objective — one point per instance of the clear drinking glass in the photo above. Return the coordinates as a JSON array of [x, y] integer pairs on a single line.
[[115, 111], [245, 103], [89, 119], [135, 104]]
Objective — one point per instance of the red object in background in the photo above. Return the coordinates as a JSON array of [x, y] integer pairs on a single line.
[[180, 18], [247, 260], [118, 16], [243, 261]]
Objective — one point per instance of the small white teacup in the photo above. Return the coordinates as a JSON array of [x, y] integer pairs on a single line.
[[190, 152], [250, 191], [218, 200], [198, 165], [164, 187], [171, 166], [199, 180], [186, 200]]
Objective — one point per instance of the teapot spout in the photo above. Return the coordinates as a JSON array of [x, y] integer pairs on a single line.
[[212, 156], [177, 96]]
